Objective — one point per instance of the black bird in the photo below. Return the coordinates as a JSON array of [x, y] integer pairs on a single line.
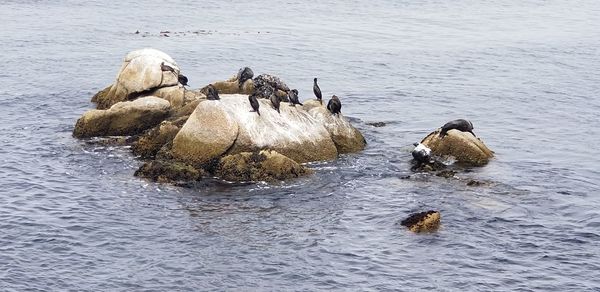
[[254, 103], [167, 68], [212, 93], [460, 124], [293, 97], [317, 91], [243, 75], [183, 80], [335, 105], [275, 102]]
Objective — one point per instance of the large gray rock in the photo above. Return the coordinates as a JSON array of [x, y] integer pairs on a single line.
[[228, 126], [123, 118], [463, 146], [140, 72], [347, 139]]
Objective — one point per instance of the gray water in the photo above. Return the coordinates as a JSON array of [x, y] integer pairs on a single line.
[[73, 217]]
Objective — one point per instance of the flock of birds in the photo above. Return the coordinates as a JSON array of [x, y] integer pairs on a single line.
[[267, 86]]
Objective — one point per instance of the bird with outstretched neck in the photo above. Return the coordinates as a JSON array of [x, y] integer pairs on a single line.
[[317, 91]]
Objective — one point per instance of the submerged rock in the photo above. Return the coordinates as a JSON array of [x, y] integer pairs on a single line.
[[463, 146], [154, 139], [123, 118], [265, 165], [427, 221], [169, 171]]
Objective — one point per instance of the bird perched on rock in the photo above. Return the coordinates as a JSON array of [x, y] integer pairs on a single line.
[[275, 101], [182, 79], [460, 124], [293, 97], [243, 75], [317, 91], [421, 153], [166, 68], [212, 93], [254, 103], [334, 105]]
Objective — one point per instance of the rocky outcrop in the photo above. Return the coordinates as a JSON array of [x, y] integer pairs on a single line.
[[347, 139], [228, 126], [427, 221], [265, 165], [123, 118], [463, 146], [141, 75], [154, 139], [169, 171]]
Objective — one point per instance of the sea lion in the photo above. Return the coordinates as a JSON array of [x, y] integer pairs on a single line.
[[460, 124], [182, 79], [243, 75], [334, 105], [212, 93], [317, 91], [254, 103], [293, 97], [421, 153], [424, 221], [275, 101]]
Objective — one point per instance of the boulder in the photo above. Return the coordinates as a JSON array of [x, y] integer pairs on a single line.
[[154, 139], [208, 133], [231, 86], [140, 73], [123, 118], [463, 146], [293, 132], [169, 171], [265, 165], [427, 221], [347, 139]]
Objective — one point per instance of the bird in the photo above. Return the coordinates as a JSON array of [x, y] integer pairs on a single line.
[[212, 93], [293, 97], [317, 91], [275, 102], [167, 68], [182, 79], [460, 124], [334, 105], [243, 75], [254, 103]]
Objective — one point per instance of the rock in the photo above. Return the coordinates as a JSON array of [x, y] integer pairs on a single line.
[[463, 146], [231, 86], [347, 139], [139, 74], [377, 124], [154, 139], [293, 133], [123, 118], [207, 134], [423, 222], [169, 171], [265, 165]]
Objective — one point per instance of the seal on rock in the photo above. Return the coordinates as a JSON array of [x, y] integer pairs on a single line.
[[460, 124], [317, 91], [212, 93], [334, 105], [273, 81], [421, 153], [293, 97], [254, 103], [244, 74], [424, 221]]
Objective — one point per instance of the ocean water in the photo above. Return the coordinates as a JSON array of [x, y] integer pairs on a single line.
[[526, 73]]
